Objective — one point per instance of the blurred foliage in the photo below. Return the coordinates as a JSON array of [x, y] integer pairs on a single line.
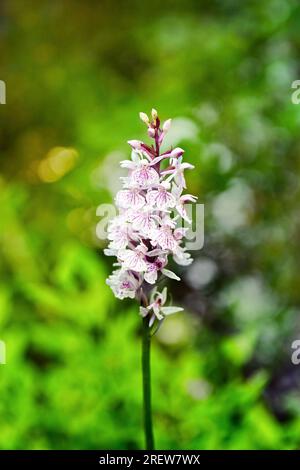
[[77, 74]]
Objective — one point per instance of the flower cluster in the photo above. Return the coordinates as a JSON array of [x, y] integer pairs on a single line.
[[146, 230]]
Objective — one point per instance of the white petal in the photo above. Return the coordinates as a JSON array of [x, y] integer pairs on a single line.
[[157, 313], [143, 311], [182, 258], [151, 197], [144, 176], [164, 295], [133, 260], [109, 252], [152, 319], [130, 199], [187, 166], [165, 239], [171, 310], [151, 276], [135, 144], [143, 222], [164, 200], [118, 244], [128, 164], [170, 274]]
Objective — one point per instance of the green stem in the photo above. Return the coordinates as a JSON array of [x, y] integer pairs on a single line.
[[147, 385]]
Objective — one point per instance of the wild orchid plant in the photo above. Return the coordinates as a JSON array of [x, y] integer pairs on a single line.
[[146, 231]]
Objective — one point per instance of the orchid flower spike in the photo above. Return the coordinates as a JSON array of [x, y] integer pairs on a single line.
[[146, 232]]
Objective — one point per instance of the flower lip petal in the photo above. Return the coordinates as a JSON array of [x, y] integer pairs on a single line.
[[130, 198], [144, 176]]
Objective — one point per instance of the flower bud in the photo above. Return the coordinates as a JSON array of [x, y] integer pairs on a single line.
[[144, 118], [167, 125], [154, 114], [151, 132]]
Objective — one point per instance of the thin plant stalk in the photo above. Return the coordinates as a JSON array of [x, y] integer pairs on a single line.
[[146, 372]]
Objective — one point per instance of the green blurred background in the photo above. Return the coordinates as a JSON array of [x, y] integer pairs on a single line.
[[77, 74]]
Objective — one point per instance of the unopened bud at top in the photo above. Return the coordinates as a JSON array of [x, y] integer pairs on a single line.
[[167, 125], [144, 118], [154, 114]]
